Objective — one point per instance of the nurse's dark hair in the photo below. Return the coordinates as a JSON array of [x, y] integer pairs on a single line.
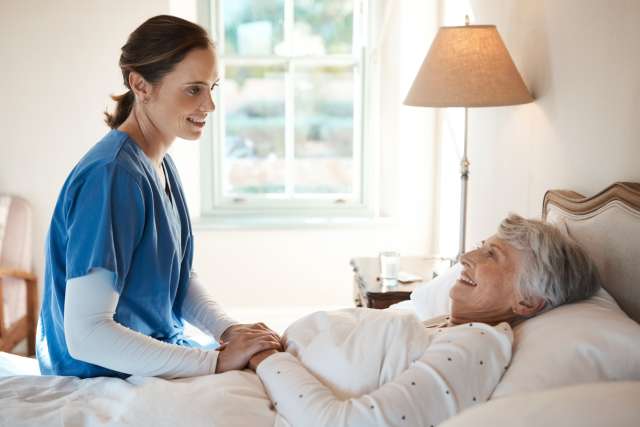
[[153, 50]]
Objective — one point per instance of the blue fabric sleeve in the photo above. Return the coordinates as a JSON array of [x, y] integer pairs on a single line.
[[104, 221]]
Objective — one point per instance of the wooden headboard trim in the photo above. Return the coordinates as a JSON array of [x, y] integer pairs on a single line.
[[570, 201]]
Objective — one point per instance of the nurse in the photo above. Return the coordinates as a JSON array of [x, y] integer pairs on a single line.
[[119, 251]]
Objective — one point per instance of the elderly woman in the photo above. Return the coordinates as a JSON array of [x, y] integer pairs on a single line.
[[361, 367]]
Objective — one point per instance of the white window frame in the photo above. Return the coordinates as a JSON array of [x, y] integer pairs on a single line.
[[281, 208]]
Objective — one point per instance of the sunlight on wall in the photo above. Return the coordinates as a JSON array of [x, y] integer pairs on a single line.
[[186, 9], [448, 206], [416, 137], [186, 154], [453, 13]]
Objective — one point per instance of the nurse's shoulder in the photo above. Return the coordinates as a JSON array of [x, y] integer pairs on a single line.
[[114, 150], [115, 158]]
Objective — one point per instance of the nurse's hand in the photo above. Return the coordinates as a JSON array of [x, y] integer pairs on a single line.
[[235, 353], [236, 330]]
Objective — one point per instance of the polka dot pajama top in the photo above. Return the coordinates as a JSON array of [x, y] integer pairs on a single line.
[[459, 367]]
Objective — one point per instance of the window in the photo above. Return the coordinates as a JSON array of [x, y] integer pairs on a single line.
[[286, 137]]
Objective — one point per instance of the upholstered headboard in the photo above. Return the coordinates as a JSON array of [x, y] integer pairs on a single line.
[[607, 225]]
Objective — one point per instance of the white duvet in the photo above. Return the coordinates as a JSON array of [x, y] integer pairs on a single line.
[[230, 399], [352, 351]]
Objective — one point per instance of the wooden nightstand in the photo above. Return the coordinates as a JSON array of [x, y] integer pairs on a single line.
[[367, 287]]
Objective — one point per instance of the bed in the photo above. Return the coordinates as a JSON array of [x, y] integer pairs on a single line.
[[575, 365]]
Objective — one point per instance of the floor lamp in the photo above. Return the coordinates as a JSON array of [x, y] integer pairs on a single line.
[[467, 66]]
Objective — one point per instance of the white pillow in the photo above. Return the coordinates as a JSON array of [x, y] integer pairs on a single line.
[[584, 405], [589, 341], [432, 298]]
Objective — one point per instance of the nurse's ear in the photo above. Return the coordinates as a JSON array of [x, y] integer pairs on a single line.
[[140, 87]]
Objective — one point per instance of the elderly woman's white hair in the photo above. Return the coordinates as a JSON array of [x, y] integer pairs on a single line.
[[554, 268]]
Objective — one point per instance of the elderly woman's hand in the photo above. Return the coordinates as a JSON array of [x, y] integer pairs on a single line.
[[257, 358], [244, 342]]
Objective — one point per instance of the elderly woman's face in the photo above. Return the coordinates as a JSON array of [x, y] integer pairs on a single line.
[[485, 291], [183, 98]]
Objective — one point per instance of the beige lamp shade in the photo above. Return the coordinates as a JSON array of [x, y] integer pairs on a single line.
[[468, 66]]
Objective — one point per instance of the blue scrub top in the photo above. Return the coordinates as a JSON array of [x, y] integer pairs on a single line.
[[113, 213]]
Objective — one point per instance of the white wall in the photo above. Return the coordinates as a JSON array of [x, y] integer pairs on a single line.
[[58, 65], [581, 60]]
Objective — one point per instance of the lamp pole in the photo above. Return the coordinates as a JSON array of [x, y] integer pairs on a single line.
[[464, 178]]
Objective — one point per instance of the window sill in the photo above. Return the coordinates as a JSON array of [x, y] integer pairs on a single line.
[[289, 223]]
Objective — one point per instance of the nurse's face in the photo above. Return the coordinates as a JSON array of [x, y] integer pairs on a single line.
[[180, 102]]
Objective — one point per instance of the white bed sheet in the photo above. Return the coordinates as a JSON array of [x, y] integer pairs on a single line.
[[230, 399]]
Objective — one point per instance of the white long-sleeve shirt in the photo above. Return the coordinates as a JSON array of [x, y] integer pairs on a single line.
[[94, 336], [459, 367]]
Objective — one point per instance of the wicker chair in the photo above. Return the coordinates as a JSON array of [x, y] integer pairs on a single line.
[[18, 284]]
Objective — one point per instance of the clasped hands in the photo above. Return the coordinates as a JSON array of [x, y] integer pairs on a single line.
[[246, 345]]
